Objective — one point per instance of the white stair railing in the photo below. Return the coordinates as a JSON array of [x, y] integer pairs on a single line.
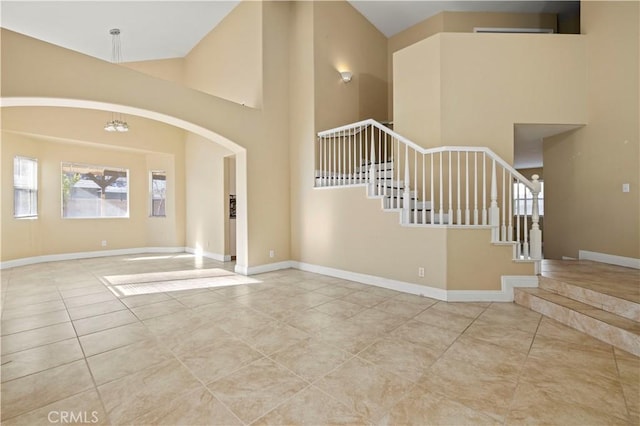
[[427, 186]]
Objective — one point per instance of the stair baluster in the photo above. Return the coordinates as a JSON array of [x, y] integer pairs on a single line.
[[494, 212], [536, 234], [406, 195], [358, 154]]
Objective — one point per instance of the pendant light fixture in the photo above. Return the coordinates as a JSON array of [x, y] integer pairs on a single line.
[[117, 122]]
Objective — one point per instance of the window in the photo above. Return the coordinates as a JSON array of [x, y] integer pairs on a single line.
[[523, 199], [94, 191], [158, 193], [25, 187]]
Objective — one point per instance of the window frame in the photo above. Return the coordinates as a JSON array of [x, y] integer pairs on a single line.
[[33, 191], [528, 196], [152, 212], [97, 167]]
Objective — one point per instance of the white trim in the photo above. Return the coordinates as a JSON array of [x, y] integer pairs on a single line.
[[87, 254], [568, 258], [508, 283], [214, 256], [261, 269], [405, 287], [502, 30], [629, 262], [351, 185], [504, 295]]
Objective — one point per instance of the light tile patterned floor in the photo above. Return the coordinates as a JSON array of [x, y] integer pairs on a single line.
[[81, 339]]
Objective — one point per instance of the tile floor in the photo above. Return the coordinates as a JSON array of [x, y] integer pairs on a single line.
[[102, 341]]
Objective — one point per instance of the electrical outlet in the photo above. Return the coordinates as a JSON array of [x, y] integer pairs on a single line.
[[103, 243], [272, 253], [421, 272], [625, 187]]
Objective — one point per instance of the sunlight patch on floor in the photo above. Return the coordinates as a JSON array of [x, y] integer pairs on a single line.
[[162, 282]]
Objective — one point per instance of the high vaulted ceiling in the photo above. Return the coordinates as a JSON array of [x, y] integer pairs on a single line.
[[160, 29], [168, 29]]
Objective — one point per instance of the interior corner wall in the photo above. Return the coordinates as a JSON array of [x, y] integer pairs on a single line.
[[227, 62], [205, 196], [345, 41], [301, 122], [417, 92], [585, 207], [166, 69], [414, 34], [488, 82], [473, 263], [268, 162], [342, 228], [460, 22]]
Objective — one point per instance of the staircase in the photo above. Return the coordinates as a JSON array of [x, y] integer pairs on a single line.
[[452, 186], [598, 299]]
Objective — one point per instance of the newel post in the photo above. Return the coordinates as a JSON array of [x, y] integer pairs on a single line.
[[494, 211], [536, 233]]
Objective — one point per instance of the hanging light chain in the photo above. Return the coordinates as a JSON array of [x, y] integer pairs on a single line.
[[117, 122]]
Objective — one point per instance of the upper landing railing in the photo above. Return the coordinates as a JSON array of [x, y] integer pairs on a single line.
[[456, 186]]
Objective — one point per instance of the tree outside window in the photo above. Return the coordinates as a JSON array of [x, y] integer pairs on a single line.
[[90, 191]]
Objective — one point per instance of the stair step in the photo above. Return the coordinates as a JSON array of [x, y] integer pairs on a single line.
[[593, 294], [613, 329], [378, 166]]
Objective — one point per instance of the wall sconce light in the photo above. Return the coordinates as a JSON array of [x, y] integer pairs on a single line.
[[346, 76]]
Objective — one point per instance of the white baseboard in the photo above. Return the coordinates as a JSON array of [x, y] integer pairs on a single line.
[[261, 269], [508, 283], [209, 255], [405, 287], [503, 295], [629, 262], [86, 255]]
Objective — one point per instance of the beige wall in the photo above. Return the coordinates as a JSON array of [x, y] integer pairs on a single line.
[[301, 48], [166, 69], [473, 263], [489, 82], [460, 22], [418, 92], [301, 124], [205, 196], [585, 208], [152, 146], [345, 40], [49, 73], [227, 62]]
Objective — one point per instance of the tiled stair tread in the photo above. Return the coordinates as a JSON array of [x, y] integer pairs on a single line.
[[604, 316], [624, 280], [620, 289], [614, 304], [610, 290], [581, 265]]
